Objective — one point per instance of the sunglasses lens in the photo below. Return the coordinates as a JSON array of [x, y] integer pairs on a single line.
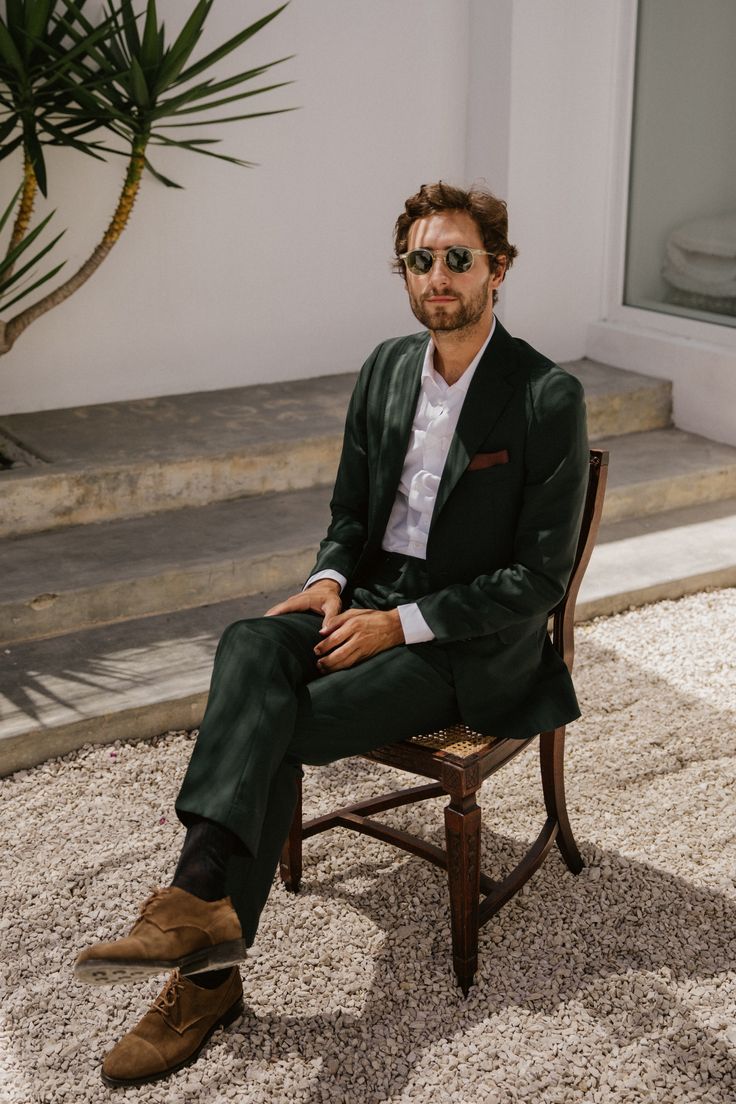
[[459, 258], [419, 261]]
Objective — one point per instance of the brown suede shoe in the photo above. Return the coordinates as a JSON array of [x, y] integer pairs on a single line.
[[173, 1031], [175, 930]]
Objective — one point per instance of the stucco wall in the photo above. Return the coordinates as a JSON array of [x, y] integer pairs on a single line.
[[283, 271], [560, 104], [276, 272]]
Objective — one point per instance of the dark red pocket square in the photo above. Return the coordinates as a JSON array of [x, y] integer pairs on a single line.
[[488, 459]]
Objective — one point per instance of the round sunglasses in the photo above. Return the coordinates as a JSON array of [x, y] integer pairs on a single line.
[[458, 258]]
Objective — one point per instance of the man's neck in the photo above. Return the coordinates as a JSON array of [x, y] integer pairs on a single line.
[[455, 350]]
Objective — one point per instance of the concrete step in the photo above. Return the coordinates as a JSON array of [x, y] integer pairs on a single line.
[[127, 459], [127, 681], [666, 555], [137, 678], [621, 402], [665, 469], [69, 579]]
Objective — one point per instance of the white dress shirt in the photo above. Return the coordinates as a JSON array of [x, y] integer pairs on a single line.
[[435, 420]]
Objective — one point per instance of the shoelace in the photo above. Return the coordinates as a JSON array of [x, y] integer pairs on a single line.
[[169, 995]]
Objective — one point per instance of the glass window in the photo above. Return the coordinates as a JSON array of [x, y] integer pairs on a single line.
[[681, 238]]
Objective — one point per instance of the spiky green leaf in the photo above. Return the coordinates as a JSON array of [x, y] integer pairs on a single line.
[[229, 118], [14, 254], [10, 208], [38, 13], [35, 153], [8, 281], [138, 84], [27, 291], [226, 48], [149, 56], [207, 104], [9, 51], [161, 178]]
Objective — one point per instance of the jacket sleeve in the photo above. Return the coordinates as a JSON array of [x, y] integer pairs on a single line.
[[348, 530], [556, 478]]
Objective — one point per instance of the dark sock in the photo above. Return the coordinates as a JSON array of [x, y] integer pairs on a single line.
[[210, 979], [203, 860]]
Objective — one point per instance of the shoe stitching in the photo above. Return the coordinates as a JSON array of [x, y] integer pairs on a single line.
[[154, 896]]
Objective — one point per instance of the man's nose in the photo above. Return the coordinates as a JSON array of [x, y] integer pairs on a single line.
[[439, 273]]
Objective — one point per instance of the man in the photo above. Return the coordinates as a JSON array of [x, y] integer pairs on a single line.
[[455, 517]]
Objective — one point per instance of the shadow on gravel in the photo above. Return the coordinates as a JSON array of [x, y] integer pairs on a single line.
[[571, 939], [627, 948]]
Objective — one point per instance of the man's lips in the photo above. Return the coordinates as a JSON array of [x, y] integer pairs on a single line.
[[441, 299]]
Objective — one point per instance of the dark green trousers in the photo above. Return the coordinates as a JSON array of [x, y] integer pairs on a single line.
[[269, 711]]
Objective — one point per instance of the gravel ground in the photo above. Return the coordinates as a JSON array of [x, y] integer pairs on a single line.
[[617, 985]]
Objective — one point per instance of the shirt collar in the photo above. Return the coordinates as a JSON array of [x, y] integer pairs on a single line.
[[461, 385]]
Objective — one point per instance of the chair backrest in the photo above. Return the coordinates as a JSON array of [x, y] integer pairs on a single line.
[[563, 616]]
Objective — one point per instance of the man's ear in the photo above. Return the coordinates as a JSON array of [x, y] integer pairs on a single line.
[[500, 274]]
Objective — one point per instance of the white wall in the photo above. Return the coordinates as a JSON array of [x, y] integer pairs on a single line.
[[283, 271], [276, 272], [560, 103]]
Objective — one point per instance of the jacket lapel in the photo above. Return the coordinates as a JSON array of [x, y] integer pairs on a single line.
[[398, 418], [488, 395]]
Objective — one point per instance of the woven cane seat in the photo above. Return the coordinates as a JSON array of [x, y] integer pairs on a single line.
[[458, 739]]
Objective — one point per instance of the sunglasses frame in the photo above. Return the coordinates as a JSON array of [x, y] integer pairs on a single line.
[[435, 253]]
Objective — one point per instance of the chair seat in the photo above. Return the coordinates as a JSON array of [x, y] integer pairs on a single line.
[[457, 739]]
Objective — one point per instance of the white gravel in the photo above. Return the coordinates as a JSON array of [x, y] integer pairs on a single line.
[[617, 985]]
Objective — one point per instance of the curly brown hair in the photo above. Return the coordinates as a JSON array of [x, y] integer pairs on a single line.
[[488, 212]]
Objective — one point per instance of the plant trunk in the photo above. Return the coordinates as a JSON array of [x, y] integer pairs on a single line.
[[11, 330], [25, 208]]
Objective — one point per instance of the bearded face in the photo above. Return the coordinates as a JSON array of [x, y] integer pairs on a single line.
[[446, 301]]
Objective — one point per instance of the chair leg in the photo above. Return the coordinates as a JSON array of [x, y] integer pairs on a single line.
[[290, 865], [462, 832], [552, 758]]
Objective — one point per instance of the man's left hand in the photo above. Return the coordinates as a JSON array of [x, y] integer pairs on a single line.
[[357, 634]]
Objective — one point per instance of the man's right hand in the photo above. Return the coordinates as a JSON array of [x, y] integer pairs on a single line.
[[322, 597]]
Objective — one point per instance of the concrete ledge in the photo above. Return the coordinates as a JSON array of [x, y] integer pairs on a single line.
[[663, 470], [70, 579], [669, 555], [28, 749], [38, 499], [118, 682], [130, 459], [621, 402]]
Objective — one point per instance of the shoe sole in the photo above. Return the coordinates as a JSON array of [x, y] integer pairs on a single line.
[[233, 1013], [108, 971]]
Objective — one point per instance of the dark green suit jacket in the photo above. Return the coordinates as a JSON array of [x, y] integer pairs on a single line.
[[502, 537]]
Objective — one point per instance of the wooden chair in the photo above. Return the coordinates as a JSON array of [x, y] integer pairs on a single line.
[[460, 759]]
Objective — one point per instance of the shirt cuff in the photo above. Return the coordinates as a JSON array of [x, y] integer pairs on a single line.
[[416, 629], [328, 573]]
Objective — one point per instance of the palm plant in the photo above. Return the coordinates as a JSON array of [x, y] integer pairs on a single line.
[[63, 78], [11, 290], [34, 92]]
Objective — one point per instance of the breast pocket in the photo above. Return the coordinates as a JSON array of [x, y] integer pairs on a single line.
[[483, 461]]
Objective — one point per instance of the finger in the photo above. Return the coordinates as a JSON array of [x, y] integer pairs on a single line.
[[335, 638], [341, 618], [287, 606], [331, 610], [338, 660]]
